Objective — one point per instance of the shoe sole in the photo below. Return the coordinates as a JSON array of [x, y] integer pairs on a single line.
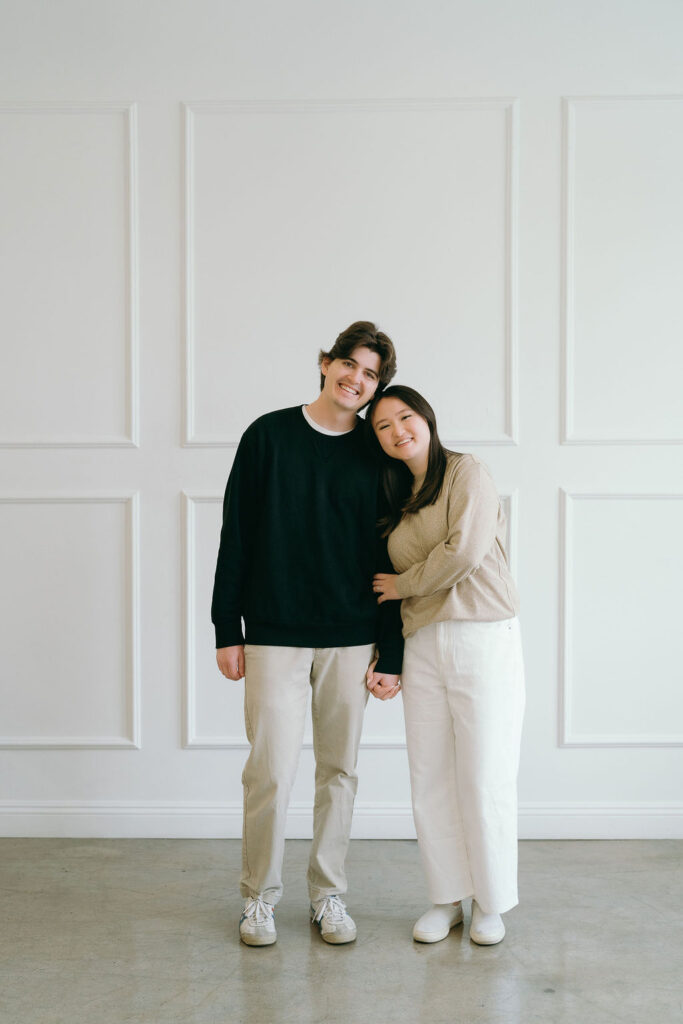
[[436, 936], [332, 939], [258, 940], [487, 942]]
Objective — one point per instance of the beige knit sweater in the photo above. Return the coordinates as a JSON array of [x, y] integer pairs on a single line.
[[450, 556]]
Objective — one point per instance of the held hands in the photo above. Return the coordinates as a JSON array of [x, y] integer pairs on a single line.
[[230, 661], [382, 685], [384, 585]]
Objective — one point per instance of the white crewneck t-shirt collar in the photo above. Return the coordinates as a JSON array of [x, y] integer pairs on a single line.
[[322, 430]]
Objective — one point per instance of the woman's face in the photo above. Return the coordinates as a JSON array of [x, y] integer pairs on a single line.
[[402, 433]]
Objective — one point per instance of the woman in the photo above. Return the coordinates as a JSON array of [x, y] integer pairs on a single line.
[[463, 675]]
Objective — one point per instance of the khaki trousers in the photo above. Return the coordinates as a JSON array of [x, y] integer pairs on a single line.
[[463, 699], [277, 682]]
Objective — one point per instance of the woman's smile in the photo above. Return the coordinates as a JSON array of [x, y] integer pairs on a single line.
[[402, 433]]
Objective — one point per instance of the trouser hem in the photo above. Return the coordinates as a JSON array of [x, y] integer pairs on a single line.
[[271, 896], [501, 908], [319, 894]]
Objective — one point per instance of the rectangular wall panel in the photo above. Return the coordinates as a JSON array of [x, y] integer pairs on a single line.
[[623, 270], [622, 637], [302, 218], [69, 622], [213, 709], [68, 263]]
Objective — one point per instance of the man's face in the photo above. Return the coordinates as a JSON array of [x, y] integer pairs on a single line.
[[351, 382]]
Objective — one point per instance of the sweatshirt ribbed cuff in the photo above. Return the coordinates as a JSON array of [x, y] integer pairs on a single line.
[[228, 634], [391, 662]]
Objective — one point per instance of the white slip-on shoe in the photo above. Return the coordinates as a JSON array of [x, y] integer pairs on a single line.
[[437, 922], [257, 923], [486, 929], [336, 926]]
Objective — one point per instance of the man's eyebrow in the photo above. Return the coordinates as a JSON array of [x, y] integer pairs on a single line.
[[355, 362]]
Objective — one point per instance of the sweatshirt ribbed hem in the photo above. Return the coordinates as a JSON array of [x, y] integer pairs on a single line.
[[268, 634], [263, 634]]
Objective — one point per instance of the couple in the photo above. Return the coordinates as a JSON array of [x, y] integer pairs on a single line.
[[332, 550]]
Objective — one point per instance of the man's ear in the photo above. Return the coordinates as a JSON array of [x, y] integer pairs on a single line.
[[325, 365]]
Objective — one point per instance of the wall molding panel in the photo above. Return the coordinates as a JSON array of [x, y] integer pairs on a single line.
[[192, 436], [131, 739], [568, 736], [192, 738], [571, 109], [509, 499], [128, 111]]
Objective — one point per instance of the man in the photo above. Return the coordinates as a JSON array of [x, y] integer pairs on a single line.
[[298, 550]]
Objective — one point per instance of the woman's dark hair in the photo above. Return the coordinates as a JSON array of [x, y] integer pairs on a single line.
[[396, 478]]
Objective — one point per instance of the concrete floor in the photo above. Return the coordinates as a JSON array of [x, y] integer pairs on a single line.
[[138, 931]]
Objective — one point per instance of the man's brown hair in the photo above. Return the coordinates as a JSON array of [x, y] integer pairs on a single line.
[[364, 333]]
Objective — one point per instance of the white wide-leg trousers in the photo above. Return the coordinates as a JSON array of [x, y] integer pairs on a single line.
[[463, 696]]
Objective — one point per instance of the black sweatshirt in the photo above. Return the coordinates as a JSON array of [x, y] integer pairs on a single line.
[[299, 543]]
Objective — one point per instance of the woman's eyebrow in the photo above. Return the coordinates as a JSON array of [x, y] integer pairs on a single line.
[[385, 419]]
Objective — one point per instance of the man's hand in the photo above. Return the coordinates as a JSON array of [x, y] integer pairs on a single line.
[[384, 584], [382, 685], [230, 661]]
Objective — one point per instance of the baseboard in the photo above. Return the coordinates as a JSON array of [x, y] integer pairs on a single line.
[[601, 821], [167, 820]]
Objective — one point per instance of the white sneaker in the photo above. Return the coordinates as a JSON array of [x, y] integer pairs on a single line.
[[257, 923], [486, 929], [437, 922], [335, 925]]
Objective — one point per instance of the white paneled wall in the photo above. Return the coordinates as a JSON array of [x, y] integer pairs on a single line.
[[196, 198]]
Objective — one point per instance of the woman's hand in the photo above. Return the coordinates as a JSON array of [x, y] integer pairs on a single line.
[[384, 584], [382, 685]]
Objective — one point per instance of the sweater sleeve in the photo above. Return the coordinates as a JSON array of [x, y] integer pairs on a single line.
[[472, 515], [389, 624], [231, 567]]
